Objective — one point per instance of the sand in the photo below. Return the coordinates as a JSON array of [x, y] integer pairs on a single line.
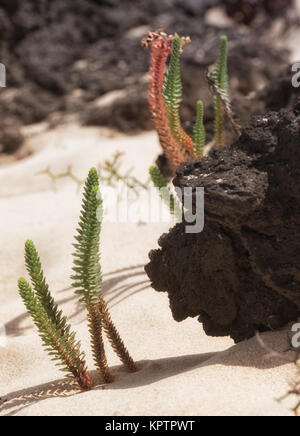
[[182, 371]]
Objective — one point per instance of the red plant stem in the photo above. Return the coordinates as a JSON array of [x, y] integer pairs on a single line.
[[115, 338], [159, 111], [95, 326], [187, 143], [82, 378]]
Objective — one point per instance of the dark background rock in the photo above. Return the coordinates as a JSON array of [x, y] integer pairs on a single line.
[[241, 274], [11, 138], [61, 56], [245, 11]]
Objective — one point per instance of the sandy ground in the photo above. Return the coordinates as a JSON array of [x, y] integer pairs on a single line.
[[182, 371]]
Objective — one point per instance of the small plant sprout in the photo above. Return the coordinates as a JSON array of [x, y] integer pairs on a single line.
[[109, 174], [165, 96], [199, 131], [66, 174], [53, 328], [160, 183]]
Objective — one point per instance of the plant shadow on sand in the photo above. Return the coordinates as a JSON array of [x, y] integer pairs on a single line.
[[117, 286], [245, 354]]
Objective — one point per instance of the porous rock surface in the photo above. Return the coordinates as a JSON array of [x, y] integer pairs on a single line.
[[242, 272]]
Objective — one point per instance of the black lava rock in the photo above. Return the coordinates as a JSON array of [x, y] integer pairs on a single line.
[[242, 273], [245, 11], [11, 137], [81, 50]]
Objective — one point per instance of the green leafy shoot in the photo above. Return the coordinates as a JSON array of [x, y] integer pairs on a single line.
[[53, 329], [199, 131], [160, 183], [172, 91], [41, 288], [55, 332], [87, 280], [220, 78]]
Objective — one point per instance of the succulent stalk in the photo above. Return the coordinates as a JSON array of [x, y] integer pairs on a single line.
[[220, 77], [199, 131], [52, 326]]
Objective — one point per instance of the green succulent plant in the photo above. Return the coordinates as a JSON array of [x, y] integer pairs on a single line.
[[55, 332]]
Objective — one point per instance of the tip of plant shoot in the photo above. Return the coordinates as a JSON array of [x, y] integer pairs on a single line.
[[224, 39], [93, 171], [200, 104], [29, 244]]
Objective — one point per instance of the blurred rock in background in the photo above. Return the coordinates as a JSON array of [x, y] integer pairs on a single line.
[[71, 56]]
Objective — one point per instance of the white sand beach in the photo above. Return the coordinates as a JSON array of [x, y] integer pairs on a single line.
[[181, 370]]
